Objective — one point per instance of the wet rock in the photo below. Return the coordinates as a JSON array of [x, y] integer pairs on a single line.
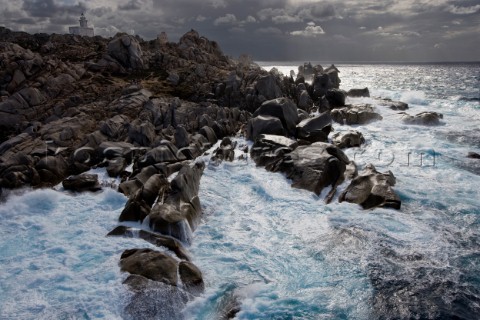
[[116, 167], [155, 300], [321, 84], [82, 182], [355, 114], [473, 155], [336, 97], [283, 109], [315, 129], [316, 167], [180, 211], [305, 102], [270, 149], [153, 238], [311, 167], [394, 105], [191, 277], [135, 211], [264, 125], [153, 265], [226, 151], [348, 139], [142, 196], [372, 189], [358, 93], [427, 118]]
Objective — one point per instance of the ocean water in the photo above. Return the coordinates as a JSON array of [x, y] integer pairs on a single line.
[[282, 253]]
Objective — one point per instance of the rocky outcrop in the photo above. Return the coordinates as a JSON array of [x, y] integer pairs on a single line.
[[372, 189], [348, 139], [313, 167], [427, 118], [178, 212], [394, 105], [284, 109], [315, 129], [161, 267], [264, 125], [355, 114], [226, 151], [473, 155], [336, 98], [83, 182], [159, 240], [356, 93]]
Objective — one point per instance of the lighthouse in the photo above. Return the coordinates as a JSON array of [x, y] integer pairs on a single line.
[[84, 29]]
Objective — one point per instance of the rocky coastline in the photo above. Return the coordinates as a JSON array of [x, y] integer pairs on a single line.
[[69, 104]]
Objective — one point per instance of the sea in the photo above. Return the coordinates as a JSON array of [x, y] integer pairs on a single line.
[[282, 253]]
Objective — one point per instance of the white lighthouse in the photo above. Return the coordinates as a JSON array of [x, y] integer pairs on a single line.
[[83, 30]]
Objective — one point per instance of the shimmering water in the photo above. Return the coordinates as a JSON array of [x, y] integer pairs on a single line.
[[281, 251]]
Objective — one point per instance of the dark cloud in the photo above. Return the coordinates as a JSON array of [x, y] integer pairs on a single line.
[[131, 5], [49, 8], [348, 30]]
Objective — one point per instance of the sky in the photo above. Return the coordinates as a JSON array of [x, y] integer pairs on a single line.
[[278, 30]]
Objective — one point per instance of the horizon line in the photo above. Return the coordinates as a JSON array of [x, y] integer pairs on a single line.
[[367, 62]]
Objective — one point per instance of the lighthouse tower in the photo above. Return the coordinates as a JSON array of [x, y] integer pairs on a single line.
[[83, 30]]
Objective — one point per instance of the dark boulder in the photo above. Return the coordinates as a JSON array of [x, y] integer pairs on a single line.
[[283, 109], [348, 139], [166, 152], [154, 238], [191, 277], [473, 155], [181, 137], [127, 51], [155, 300], [358, 93], [372, 189], [82, 182], [208, 133], [355, 114], [268, 87], [321, 84], [394, 105], [116, 127], [264, 125], [180, 211], [427, 118], [134, 211], [226, 151], [316, 167], [305, 102], [315, 129], [52, 170], [269, 149], [311, 167], [336, 98], [142, 133], [153, 265]]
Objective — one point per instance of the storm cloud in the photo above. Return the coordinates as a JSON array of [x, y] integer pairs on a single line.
[[342, 30]]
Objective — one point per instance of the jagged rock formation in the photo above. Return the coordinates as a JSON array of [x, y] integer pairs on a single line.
[[69, 104]]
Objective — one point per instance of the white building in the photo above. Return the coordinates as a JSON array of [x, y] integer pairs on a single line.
[[83, 30]]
